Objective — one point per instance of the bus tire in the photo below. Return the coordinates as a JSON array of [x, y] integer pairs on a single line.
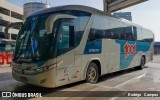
[[143, 61], [92, 73]]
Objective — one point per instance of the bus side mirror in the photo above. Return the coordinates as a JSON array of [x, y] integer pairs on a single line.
[[51, 19]]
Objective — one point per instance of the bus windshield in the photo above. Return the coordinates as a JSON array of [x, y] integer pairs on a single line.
[[34, 44]]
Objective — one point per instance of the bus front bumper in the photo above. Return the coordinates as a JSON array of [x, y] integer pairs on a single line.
[[45, 79]]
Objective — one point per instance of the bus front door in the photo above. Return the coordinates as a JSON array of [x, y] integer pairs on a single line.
[[67, 72]]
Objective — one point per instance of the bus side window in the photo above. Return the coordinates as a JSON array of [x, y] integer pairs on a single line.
[[112, 35], [123, 36], [71, 37], [107, 34], [66, 40], [92, 35], [135, 33]]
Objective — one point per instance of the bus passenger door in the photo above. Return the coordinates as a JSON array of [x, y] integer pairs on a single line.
[[67, 72]]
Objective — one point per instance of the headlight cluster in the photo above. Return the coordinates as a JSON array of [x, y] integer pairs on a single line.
[[33, 67], [45, 68], [28, 66]]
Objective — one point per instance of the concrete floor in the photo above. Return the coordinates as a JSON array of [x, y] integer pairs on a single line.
[[147, 79]]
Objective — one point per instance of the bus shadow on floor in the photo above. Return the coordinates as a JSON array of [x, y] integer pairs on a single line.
[[117, 74]]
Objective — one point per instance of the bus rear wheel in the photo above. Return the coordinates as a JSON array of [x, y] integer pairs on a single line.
[[92, 73], [143, 61]]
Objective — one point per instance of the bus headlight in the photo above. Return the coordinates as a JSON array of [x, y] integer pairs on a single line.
[[39, 70], [45, 68]]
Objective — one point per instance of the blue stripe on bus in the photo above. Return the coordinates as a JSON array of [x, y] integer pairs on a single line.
[[125, 61], [94, 47]]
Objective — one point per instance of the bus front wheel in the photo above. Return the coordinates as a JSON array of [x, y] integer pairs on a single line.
[[92, 73]]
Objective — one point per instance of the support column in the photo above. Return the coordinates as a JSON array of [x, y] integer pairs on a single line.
[[106, 8], [10, 23], [10, 36]]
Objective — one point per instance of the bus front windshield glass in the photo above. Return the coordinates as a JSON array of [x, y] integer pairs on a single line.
[[33, 43]]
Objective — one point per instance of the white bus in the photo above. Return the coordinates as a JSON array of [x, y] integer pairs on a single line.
[[66, 44]]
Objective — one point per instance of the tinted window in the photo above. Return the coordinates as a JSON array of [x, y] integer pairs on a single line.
[[13, 36], [2, 44], [135, 33], [66, 40], [139, 34], [71, 32], [150, 37], [116, 29], [106, 27], [147, 36], [99, 28], [127, 30], [143, 35], [2, 35]]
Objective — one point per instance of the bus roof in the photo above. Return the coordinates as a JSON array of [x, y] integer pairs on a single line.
[[83, 8], [69, 7]]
